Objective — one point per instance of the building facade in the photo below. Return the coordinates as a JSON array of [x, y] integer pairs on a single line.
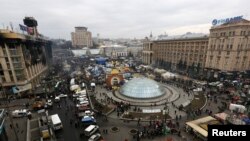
[[114, 51], [23, 59], [187, 54], [226, 49], [147, 52], [229, 47], [81, 38]]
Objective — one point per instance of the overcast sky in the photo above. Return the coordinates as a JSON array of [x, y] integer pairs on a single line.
[[121, 18]]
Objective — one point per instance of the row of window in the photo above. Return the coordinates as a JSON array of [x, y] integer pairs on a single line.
[[231, 33]]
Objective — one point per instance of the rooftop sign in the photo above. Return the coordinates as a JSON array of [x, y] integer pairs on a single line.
[[227, 20]]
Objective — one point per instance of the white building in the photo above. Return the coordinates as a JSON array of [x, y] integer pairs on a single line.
[[114, 50]]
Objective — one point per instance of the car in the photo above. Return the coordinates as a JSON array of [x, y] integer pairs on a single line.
[[82, 103], [44, 131], [82, 99], [86, 113], [89, 113], [62, 95], [20, 113], [95, 137], [38, 105], [49, 104], [57, 99]]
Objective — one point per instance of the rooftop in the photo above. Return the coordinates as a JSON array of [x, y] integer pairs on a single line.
[[142, 88], [188, 35]]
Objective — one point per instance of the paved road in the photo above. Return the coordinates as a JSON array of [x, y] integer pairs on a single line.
[[69, 132]]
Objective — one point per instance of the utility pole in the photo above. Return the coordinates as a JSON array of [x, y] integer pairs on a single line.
[[10, 115]]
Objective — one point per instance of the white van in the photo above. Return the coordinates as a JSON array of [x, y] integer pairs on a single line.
[[56, 122], [20, 113], [90, 130]]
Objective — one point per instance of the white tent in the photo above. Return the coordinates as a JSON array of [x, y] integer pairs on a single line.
[[74, 87], [92, 84], [160, 71], [168, 75], [237, 107]]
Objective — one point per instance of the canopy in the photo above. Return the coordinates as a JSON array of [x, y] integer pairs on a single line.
[[74, 87], [88, 119], [168, 75], [159, 70], [237, 107], [221, 116]]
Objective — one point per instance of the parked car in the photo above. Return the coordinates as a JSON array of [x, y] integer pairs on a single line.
[[86, 113], [57, 99], [37, 105], [20, 113], [95, 137], [82, 103], [49, 104]]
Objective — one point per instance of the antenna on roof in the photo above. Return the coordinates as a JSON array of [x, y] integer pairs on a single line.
[[11, 26]]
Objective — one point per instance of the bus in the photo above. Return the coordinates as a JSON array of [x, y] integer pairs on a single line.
[[56, 122]]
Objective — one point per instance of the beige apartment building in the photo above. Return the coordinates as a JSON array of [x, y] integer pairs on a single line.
[[229, 47], [81, 38], [23, 59], [226, 49], [183, 51]]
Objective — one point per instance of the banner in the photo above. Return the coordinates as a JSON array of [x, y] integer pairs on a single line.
[[18, 89]]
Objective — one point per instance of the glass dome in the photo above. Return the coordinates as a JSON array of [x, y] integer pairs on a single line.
[[142, 88]]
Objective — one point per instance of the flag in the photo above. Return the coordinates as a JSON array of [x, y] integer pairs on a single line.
[[23, 28]]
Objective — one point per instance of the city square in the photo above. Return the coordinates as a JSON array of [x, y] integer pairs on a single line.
[[119, 86]]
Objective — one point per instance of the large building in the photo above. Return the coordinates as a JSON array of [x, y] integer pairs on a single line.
[[23, 59], [114, 51], [81, 38], [229, 47], [226, 49], [177, 53]]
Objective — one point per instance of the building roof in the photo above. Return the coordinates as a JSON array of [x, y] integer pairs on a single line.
[[188, 35], [142, 88], [198, 125]]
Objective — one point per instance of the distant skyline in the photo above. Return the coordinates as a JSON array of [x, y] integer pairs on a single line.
[[121, 18]]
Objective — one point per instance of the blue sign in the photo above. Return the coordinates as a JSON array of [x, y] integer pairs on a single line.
[[227, 20]]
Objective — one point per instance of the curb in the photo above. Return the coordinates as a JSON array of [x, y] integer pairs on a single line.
[[205, 103], [28, 131]]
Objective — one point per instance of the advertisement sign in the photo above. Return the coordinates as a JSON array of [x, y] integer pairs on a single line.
[[227, 20]]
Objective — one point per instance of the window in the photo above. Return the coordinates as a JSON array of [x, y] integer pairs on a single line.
[[231, 46], [228, 52]]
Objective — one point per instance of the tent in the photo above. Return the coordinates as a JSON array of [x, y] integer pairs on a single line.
[[246, 120], [168, 75], [74, 87]]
